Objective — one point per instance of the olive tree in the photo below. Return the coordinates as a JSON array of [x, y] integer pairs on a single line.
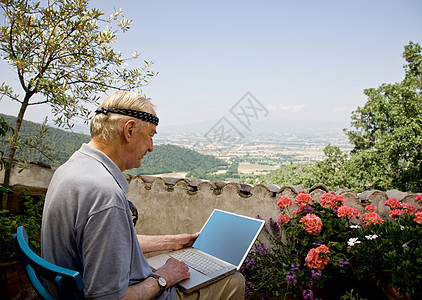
[[63, 57], [4, 129]]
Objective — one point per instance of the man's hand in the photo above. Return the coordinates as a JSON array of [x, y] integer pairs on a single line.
[[173, 271], [184, 240], [151, 243]]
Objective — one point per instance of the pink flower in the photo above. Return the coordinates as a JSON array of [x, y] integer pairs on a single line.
[[330, 200], [283, 219], [370, 208], [303, 199], [393, 203], [284, 202], [418, 198], [339, 200], [317, 258], [327, 200], [411, 208], [312, 224], [347, 211], [371, 218], [418, 217], [399, 209], [395, 213]]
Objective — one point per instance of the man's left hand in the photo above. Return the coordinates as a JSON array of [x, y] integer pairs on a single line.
[[184, 240]]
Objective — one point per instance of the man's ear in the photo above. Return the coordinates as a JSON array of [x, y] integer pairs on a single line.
[[129, 130]]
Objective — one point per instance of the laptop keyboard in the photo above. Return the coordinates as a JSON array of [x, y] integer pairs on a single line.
[[198, 261]]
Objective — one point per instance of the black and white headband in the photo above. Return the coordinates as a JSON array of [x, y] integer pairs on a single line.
[[142, 115]]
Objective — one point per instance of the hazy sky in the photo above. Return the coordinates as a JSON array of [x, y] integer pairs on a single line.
[[302, 60]]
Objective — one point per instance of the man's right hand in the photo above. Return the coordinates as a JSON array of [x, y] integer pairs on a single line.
[[173, 271]]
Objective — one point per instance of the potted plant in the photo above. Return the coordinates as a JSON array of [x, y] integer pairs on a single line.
[[326, 249], [13, 281]]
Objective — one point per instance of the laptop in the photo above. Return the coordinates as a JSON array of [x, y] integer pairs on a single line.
[[224, 242]]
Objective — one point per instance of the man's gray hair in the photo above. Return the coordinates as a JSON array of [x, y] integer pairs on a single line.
[[108, 126]]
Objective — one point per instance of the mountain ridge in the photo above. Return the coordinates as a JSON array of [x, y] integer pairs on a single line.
[[62, 144]]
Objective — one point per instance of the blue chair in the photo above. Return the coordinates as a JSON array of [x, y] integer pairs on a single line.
[[68, 283]]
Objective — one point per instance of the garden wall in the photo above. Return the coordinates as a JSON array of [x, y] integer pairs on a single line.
[[172, 205]]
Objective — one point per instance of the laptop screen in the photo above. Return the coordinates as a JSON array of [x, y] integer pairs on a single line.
[[228, 236]]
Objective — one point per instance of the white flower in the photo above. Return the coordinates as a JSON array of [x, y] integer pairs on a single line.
[[353, 241], [357, 226], [371, 237]]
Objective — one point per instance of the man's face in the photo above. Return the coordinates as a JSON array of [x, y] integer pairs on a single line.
[[141, 144]]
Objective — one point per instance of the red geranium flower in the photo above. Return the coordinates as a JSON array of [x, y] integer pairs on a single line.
[[339, 201], [312, 224], [418, 217], [370, 208], [327, 200], [284, 202], [283, 219], [303, 199], [393, 203], [317, 258], [418, 198], [371, 218], [347, 211]]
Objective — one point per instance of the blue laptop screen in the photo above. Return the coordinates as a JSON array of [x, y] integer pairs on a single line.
[[228, 236]]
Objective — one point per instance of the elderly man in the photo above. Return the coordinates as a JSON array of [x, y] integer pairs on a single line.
[[87, 224]]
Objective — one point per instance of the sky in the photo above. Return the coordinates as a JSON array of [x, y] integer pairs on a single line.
[[300, 60]]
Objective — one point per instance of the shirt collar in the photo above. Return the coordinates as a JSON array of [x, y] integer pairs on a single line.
[[111, 167]]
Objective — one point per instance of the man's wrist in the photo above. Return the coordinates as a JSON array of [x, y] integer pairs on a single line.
[[161, 281]]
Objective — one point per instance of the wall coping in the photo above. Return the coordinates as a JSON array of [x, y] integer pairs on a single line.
[[246, 190]]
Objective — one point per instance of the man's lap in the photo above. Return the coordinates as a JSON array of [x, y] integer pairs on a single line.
[[232, 287]]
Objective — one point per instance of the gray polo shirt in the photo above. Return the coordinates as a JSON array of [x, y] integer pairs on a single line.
[[87, 226]]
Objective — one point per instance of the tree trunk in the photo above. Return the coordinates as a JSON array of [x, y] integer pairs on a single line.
[[13, 147]]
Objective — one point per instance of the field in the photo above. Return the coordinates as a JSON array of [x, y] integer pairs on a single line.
[[257, 169], [173, 175]]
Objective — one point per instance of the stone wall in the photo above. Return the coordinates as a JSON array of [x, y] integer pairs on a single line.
[[35, 174], [171, 205], [32, 178]]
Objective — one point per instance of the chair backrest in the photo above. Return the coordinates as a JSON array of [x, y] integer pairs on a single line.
[[68, 283], [134, 212]]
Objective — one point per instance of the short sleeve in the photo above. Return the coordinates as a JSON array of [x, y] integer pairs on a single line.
[[106, 254]]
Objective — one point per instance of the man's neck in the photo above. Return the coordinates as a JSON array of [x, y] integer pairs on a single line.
[[112, 150]]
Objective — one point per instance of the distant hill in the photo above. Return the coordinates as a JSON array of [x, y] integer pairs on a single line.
[[61, 143], [164, 158], [171, 158]]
